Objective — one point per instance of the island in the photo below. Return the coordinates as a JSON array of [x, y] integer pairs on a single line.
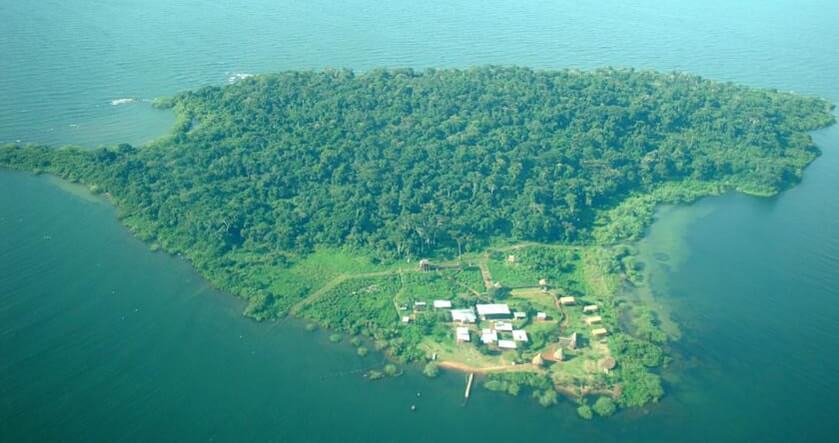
[[480, 219]]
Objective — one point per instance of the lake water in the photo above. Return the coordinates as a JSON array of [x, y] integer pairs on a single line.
[[102, 340]]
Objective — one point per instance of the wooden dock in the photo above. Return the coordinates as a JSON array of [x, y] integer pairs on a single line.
[[469, 385]]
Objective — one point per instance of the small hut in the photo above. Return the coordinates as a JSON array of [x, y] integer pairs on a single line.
[[462, 334], [511, 259], [424, 265], [590, 309], [569, 342], [537, 360], [592, 320], [567, 301], [607, 364], [599, 332]]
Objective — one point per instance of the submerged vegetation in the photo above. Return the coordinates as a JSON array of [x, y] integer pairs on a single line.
[[314, 193]]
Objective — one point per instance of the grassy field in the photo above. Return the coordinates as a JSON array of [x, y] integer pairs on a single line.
[[511, 275]]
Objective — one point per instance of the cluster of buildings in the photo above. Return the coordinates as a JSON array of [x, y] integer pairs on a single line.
[[497, 328], [501, 333]]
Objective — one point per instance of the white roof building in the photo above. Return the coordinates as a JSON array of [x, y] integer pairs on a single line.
[[519, 315], [462, 334], [497, 309], [406, 319], [506, 344], [464, 315], [503, 326], [488, 336], [442, 304], [520, 335], [541, 315]]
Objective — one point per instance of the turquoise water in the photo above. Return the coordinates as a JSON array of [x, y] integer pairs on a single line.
[[102, 340]]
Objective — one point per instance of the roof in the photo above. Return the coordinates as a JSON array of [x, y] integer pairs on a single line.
[[506, 344], [462, 334], [520, 335], [489, 336], [590, 308], [593, 319], [419, 303], [541, 315], [520, 314], [503, 326], [442, 304], [406, 319], [463, 315], [493, 309], [566, 300], [600, 331]]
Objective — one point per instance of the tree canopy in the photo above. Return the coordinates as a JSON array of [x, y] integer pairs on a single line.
[[402, 163]]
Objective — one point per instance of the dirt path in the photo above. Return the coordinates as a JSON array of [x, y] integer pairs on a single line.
[[485, 274], [463, 367]]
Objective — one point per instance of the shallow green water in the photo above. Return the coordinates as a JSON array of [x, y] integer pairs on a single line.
[[102, 340]]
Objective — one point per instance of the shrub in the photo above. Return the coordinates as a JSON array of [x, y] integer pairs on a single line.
[[604, 406], [391, 370], [431, 370]]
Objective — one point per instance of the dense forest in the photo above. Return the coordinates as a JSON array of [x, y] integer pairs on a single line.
[[408, 164]]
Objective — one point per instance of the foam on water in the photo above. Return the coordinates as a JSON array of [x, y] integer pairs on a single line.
[[122, 101], [237, 77]]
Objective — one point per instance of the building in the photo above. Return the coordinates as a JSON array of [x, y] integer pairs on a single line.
[[511, 259], [488, 336], [504, 326], [506, 344], [569, 342], [592, 320], [424, 265], [520, 335], [462, 334], [541, 316], [464, 315], [552, 353], [442, 304], [567, 301], [493, 311], [600, 332], [519, 315], [420, 305], [590, 309], [406, 319]]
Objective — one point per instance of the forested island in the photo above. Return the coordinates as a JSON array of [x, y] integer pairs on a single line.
[[479, 219]]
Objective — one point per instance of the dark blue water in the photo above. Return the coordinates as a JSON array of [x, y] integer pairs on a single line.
[[102, 340]]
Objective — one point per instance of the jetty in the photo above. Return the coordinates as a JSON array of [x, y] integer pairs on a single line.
[[469, 385]]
